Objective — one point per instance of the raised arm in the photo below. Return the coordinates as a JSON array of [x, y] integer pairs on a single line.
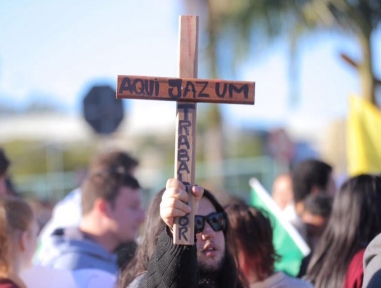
[[173, 265]]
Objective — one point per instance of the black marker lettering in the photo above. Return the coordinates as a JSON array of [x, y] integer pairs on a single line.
[[138, 86], [245, 89], [176, 83], [219, 94], [189, 87], [157, 88], [186, 107], [184, 126], [201, 94], [182, 232], [182, 155], [184, 220], [183, 140], [126, 85], [148, 87], [183, 167]]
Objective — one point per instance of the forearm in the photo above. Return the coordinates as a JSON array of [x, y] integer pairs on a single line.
[[172, 265]]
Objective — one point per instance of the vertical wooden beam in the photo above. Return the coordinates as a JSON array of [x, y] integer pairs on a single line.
[[183, 230]]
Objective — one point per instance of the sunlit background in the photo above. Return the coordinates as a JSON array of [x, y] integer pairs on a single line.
[[53, 52]]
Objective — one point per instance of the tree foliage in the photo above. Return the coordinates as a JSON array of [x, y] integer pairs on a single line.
[[240, 25]]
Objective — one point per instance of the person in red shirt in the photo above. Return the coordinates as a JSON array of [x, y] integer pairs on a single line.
[[355, 272]]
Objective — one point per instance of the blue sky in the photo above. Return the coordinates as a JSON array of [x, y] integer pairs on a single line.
[[55, 50]]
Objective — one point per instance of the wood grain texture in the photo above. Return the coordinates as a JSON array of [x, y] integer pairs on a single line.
[[185, 89], [183, 229]]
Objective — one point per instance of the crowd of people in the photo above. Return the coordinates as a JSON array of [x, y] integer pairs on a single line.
[[102, 226]]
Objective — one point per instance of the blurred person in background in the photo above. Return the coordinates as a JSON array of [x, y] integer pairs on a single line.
[[111, 215], [282, 193], [18, 240], [372, 264], [310, 176], [67, 212], [256, 254], [355, 220], [317, 210], [42, 211], [4, 166], [10, 187]]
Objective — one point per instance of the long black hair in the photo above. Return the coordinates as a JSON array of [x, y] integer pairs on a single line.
[[230, 274], [253, 237], [154, 225], [354, 222]]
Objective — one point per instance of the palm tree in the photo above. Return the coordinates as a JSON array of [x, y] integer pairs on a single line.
[[235, 25]]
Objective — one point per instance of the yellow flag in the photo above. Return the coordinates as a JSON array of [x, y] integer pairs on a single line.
[[363, 137]]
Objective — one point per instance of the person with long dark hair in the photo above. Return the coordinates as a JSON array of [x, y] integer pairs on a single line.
[[153, 226], [211, 262], [354, 222], [253, 236]]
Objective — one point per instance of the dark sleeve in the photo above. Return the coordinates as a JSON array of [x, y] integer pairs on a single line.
[[172, 266], [303, 266], [375, 281]]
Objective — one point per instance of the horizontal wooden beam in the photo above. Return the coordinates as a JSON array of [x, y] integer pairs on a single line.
[[185, 89]]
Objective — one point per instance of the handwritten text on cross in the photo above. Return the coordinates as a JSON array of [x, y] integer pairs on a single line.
[[185, 90]]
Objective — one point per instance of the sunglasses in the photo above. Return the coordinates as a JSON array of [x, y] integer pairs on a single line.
[[216, 220]]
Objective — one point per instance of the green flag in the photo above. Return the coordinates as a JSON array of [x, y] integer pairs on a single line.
[[286, 239]]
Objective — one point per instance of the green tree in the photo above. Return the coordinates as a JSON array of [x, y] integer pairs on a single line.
[[241, 25]]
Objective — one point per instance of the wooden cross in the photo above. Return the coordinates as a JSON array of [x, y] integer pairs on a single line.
[[187, 90]]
